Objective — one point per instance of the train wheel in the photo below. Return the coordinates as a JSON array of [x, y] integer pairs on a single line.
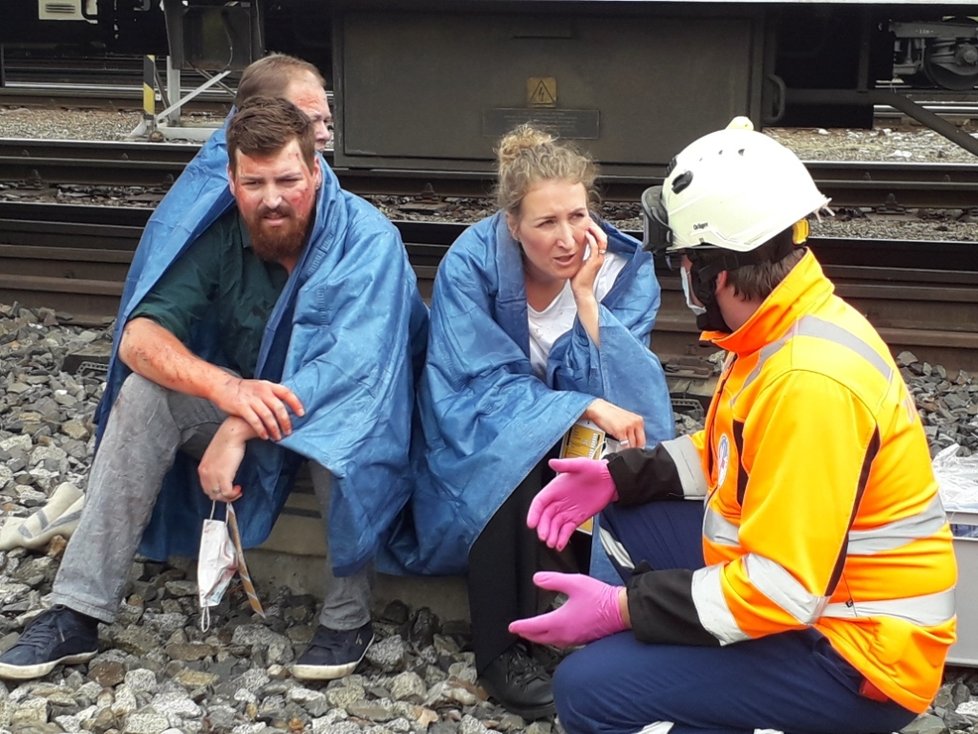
[[952, 63]]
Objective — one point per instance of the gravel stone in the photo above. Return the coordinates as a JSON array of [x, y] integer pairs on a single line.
[[388, 654], [325, 726], [139, 642], [379, 710], [125, 701], [175, 704], [471, 725], [926, 724], [408, 686], [141, 680], [345, 696], [146, 723], [32, 712]]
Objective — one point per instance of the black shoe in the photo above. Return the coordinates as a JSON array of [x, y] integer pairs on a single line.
[[333, 653], [520, 684], [59, 635]]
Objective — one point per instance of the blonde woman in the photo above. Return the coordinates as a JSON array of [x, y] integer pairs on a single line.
[[541, 317]]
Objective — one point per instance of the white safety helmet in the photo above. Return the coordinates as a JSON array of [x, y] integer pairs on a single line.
[[733, 189]]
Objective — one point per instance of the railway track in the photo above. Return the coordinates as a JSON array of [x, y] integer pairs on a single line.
[[121, 69], [103, 83], [74, 259], [103, 97], [49, 163]]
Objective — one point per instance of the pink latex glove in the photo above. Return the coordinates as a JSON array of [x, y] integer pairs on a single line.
[[592, 611], [581, 489]]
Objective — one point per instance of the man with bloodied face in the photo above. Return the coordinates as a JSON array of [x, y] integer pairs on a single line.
[[283, 332]]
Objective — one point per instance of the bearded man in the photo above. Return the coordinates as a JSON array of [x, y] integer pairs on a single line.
[[282, 332], [198, 196]]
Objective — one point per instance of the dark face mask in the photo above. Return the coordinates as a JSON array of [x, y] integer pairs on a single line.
[[705, 291]]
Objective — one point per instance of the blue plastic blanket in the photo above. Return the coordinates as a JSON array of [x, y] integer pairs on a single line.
[[342, 336], [487, 418]]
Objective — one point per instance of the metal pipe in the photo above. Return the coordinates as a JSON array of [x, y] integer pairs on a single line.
[[881, 96], [935, 122], [149, 94]]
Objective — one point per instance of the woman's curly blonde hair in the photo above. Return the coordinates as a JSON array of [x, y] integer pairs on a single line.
[[528, 155]]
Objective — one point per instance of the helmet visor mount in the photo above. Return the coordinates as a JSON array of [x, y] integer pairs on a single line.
[[657, 236]]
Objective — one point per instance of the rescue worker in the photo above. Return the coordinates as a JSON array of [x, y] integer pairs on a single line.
[[822, 596]]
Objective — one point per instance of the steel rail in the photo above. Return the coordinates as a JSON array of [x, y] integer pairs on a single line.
[[74, 259], [118, 227], [104, 83], [100, 96], [121, 163]]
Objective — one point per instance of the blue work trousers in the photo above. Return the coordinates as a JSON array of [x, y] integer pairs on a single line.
[[792, 682]]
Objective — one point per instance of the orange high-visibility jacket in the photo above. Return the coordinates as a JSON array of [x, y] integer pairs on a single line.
[[821, 506]]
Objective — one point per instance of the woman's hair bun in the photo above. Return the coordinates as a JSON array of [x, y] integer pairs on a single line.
[[523, 138]]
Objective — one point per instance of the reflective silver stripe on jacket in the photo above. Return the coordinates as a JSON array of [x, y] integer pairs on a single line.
[[687, 460], [719, 529], [822, 329], [656, 727], [896, 534], [766, 352], [925, 524], [817, 328], [928, 610], [711, 605], [778, 585], [614, 548]]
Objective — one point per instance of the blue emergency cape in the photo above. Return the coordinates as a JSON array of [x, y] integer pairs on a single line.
[[342, 337], [487, 418]]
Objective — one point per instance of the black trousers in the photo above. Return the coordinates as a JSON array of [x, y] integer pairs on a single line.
[[502, 562]]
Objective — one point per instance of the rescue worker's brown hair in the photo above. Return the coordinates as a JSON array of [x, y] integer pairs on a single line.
[[271, 75], [756, 281], [528, 155], [265, 125]]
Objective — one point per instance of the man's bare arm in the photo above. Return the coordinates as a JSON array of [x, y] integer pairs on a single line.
[[152, 351], [155, 353]]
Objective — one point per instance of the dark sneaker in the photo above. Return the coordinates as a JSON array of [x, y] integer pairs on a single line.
[[333, 653], [519, 683], [58, 636]]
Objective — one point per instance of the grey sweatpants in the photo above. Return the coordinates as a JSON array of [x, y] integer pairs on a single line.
[[148, 424]]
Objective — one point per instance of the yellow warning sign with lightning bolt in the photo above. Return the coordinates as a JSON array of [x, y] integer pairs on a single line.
[[541, 91]]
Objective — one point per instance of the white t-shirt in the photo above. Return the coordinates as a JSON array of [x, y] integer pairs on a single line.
[[548, 324]]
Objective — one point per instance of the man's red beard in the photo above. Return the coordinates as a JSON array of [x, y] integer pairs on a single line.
[[281, 242]]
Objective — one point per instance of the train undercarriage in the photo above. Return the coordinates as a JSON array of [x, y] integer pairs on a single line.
[[633, 81]]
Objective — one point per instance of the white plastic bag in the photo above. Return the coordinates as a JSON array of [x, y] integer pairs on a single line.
[[957, 477]]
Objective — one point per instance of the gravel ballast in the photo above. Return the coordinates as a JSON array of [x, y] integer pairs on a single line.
[[157, 673]]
